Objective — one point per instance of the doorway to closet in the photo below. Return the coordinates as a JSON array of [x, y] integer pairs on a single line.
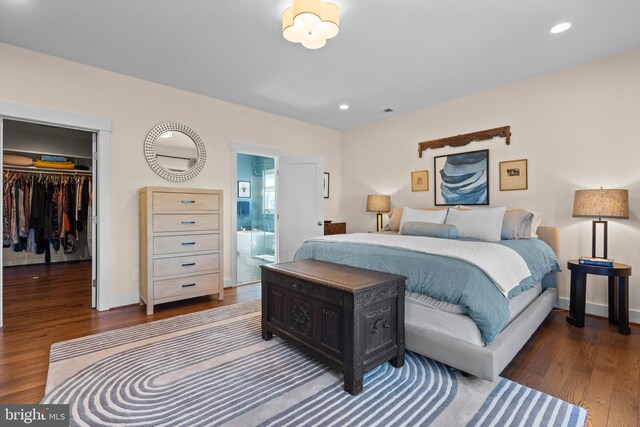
[[49, 233]]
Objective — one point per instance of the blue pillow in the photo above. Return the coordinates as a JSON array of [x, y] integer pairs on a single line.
[[430, 229]]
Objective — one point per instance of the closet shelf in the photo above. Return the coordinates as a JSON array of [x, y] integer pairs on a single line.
[[39, 153], [48, 171]]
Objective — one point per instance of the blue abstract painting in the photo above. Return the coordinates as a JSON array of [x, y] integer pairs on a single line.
[[462, 179]]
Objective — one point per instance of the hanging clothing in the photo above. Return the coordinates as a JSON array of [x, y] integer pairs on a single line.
[[45, 211]]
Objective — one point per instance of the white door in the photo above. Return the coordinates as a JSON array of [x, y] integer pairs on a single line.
[[301, 213], [94, 229]]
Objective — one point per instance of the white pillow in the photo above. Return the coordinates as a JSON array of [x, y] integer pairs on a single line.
[[418, 215], [481, 224], [535, 223]]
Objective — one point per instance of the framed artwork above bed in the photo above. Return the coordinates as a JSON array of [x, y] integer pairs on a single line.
[[462, 178]]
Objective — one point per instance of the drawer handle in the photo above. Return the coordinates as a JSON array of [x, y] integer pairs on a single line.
[[188, 222], [189, 285], [188, 243], [295, 285], [188, 264], [374, 329], [187, 201]]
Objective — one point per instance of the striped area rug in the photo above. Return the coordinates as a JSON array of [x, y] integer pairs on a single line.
[[212, 368]]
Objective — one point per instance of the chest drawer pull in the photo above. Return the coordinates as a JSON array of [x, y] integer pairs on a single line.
[[188, 243], [187, 222], [187, 201], [189, 285], [188, 264], [374, 329]]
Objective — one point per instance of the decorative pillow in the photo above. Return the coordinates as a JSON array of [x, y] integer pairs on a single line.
[[396, 215], [520, 224], [514, 223], [429, 229], [481, 224], [535, 223], [394, 220], [419, 215], [10, 159]]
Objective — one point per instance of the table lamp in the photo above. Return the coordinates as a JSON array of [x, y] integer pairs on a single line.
[[378, 203], [600, 204]]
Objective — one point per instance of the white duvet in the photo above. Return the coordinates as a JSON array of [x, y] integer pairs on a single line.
[[504, 266]]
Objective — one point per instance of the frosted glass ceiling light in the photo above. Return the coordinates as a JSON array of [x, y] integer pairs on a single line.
[[310, 22]]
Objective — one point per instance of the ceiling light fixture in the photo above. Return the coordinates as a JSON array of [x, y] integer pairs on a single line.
[[310, 22], [343, 107], [561, 28]]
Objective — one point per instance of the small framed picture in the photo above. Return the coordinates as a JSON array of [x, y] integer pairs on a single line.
[[325, 185], [244, 189], [420, 181], [513, 175], [461, 179]]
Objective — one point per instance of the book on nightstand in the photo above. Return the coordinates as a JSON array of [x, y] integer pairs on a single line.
[[600, 262]]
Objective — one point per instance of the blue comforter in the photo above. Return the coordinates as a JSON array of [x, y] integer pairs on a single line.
[[443, 278]]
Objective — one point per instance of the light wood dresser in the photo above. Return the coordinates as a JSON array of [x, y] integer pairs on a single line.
[[180, 244]]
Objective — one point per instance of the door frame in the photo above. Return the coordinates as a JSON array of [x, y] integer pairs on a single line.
[[102, 128], [256, 150]]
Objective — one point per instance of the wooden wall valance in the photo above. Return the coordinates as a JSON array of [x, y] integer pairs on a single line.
[[467, 138]]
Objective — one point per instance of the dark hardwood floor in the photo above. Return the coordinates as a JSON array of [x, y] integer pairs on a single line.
[[594, 367]]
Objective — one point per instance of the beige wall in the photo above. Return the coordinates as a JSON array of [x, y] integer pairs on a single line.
[[135, 107], [578, 128]]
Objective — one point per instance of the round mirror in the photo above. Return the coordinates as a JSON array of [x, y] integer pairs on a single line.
[[174, 151]]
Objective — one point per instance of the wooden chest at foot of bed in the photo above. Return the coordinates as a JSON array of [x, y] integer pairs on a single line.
[[350, 318]]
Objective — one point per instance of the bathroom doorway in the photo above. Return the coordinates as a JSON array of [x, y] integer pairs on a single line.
[[255, 215]]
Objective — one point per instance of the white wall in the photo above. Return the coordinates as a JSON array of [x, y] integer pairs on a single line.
[[135, 106], [578, 128]]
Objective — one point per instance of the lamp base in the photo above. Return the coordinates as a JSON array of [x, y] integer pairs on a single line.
[[593, 238], [379, 222]]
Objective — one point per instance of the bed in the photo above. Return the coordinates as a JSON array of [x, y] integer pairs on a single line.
[[466, 331]]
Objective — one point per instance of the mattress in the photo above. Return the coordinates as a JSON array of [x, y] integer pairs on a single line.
[[449, 319]]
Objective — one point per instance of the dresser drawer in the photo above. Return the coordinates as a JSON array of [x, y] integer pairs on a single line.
[[185, 202], [189, 243], [185, 264], [186, 222], [187, 285]]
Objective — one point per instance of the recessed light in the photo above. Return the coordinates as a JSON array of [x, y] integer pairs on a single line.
[[343, 107], [561, 28]]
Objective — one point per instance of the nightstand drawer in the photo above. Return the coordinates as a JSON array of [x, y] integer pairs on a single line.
[[185, 202]]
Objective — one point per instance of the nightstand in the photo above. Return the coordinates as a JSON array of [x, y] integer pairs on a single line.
[[335, 228], [618, 293]]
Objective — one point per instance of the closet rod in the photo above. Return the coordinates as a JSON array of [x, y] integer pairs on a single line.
[[46, 171]]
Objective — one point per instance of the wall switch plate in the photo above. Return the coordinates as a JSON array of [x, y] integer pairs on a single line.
[[135, 275]]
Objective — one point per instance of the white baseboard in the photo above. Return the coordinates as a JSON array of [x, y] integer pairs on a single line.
[[228, 282], [120, 300], [600, 310]]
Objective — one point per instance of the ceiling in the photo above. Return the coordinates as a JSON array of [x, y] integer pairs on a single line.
[[399, 54]]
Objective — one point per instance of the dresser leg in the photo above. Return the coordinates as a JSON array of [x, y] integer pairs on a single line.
[[221, 296], [149, 309], [623, 306]]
